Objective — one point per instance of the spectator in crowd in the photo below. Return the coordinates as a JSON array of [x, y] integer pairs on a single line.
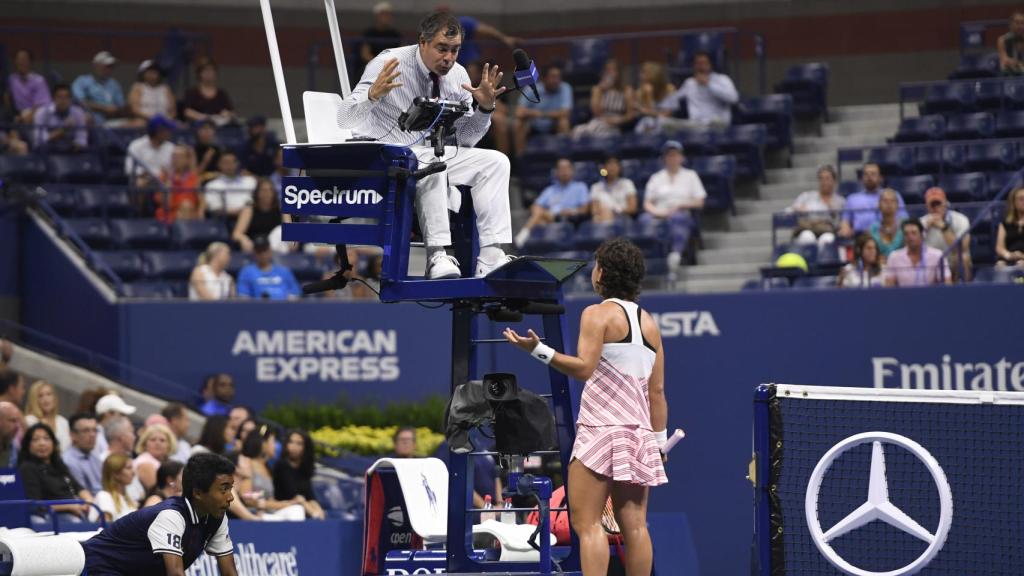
[[210, 279], [207, 151], [88, 398], [254, 482], [168, 483], [150, 156], [120, 436], [10, 424], [6, 352], [206, 100], [217, 434], [26, 89], [917, 264], [655, 99], [266, 280], [499, 136], [293, 472], [244, 429], [549, 115], [862, 205], [709, 95], [223, 395], [260, 149], [611, 103], [12, 387], [672, 193], [177, 421], [230, 191], [44, 406], [182, 182], [887, 231], [564, 199], [237, 415], [942, 227], [612, 196], [1010, 236], [45, 476], [150, 96], [404, 441], [260, 217], [819, 211], [866, 268], [61, 126], [113, 500], [82, 460], [155, 446], [107, 409], [378, 38], [11, 143], [100, 93], [471, 28], [1011, 47]]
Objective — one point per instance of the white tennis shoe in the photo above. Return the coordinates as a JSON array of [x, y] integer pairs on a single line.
[[442, 266]]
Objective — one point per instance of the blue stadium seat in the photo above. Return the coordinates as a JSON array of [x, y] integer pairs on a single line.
[[998, 180], [1013, 94], [988, 94], [140, 234], [652, 237], [92, 231], [197, 234], [305, 267], [590, 234], [994, 156], [238, 259], [595, 149], [893, 159], [175, 265], [126, 264], [975, 126], [80, 168], [586, 60], [545, 148], [921, 129], [969, 187], [954, 158], [696, 142], [746, 142], [951, 97], [976, 66], [912, 188], [148, 290], [641, 145], [928, 159], [586, 172], [103, 201], [775, 111], [718, 175], [547, 238], [114, 170], [231, 136], [640, 171], [848, 187], [808, 85], [27, 169], [62, 198], [656, 267], [1010, 124], [712, 43]]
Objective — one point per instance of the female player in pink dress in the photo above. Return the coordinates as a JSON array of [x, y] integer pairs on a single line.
[[623, 412]]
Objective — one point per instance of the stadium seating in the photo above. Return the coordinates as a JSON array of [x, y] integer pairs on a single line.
[[976, 66], [970, 126], [951, 97], [549, 238], [169, 265], [128, 265], [969, 187], [586, 60], [932, 127], [139, 234], [808, 86], [78, 168], [102, 201], [27, 169], [775, 111], [197, 234], [1010, 124], [893, 160], [92, 231], [912, 188], [148, 290], [717, 174]]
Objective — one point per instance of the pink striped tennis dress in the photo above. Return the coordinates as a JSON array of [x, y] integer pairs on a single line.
[[613, 432]]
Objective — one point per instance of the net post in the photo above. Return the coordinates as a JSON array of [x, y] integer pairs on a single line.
[[275, 61], [759, 478]]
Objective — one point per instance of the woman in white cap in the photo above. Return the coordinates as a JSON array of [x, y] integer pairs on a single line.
[[150, 95]]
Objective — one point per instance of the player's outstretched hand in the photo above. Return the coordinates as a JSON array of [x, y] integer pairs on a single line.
[[527, 343], [385, 81]]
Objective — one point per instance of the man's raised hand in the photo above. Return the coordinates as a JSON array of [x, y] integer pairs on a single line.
[[385, 81]]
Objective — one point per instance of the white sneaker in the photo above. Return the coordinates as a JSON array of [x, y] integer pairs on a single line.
[[441, 265], [674, 260], [485, 267]]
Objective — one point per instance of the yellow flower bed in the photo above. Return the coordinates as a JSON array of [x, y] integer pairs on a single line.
[[370, 441]]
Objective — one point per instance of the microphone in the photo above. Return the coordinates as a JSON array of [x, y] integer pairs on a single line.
[[525, 73]]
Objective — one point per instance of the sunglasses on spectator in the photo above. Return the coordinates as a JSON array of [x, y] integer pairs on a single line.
[[935, 204]]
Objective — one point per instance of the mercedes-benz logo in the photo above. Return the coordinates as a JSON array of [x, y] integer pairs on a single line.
[[878, 506]]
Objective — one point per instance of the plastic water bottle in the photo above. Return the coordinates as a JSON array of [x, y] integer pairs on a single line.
[[488, 505], [507, 515]]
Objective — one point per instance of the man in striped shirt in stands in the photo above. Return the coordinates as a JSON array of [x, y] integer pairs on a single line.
[[429, 69]]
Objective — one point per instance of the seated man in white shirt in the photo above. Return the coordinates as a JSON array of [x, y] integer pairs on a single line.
[[709, 95], [671, 194], [429, 69], [149, 156], [942, 227], [231, 191]]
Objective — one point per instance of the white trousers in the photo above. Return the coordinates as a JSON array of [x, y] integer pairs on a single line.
[[487, 172]]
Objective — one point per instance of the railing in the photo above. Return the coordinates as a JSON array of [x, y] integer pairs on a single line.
[[918, 91], [91, 360], [44, 35], [632, 48]]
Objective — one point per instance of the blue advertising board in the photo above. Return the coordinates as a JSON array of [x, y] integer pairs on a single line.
[[718, 348]]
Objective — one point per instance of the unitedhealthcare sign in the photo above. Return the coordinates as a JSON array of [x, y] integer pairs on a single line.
[[289, 549], [251, 561]]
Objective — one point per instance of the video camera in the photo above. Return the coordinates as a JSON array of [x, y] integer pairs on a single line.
[[438, 116]]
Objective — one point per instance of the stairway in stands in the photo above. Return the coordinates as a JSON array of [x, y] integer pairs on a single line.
[[737, 246]]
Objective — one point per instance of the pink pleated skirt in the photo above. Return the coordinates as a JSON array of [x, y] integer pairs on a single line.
[[622, 453]]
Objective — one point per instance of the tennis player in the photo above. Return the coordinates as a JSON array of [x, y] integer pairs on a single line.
[[168, 537], [623, 413]]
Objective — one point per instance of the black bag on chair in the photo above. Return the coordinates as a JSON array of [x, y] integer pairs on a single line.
[[524, 425]]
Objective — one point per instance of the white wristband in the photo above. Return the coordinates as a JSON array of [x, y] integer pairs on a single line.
[[661, 438], [543, 352]]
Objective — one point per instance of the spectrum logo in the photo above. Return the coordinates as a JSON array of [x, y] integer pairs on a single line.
[[299, 197]]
